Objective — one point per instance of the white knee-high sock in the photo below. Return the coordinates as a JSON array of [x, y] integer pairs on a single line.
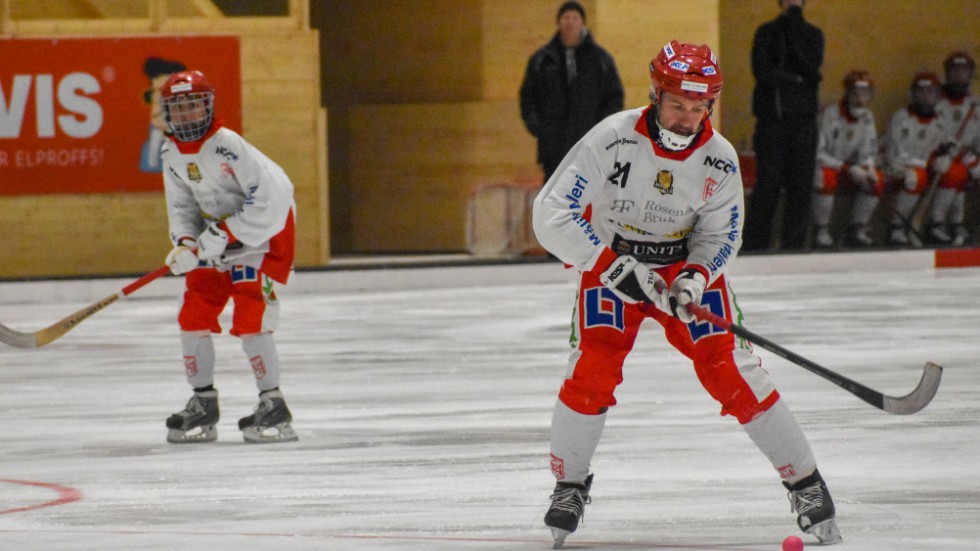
[[780, 438], [264, 359], [198, 350], [574, 438]]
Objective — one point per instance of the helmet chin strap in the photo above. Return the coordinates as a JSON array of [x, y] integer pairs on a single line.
[[673, 141]]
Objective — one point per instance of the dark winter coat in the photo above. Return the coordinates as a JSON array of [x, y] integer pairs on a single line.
[[787, 54], [559, 113]]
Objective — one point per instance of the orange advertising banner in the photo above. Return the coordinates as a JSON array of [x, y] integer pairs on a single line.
[[82, 115]]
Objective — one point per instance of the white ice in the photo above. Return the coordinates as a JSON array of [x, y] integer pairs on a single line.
[[423, 417]]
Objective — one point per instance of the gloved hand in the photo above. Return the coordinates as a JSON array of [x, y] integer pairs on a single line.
[[941, 164], [686, 288], [211, 244], [182, 258], [972, 163], [634, 282], [861, 175]]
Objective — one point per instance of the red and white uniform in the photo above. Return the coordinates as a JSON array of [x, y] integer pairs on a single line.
[[909, 144], [222, 177], [617, 192], [961, 120]]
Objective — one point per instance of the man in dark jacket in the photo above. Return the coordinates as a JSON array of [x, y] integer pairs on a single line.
[[786, 57], [570, 85]]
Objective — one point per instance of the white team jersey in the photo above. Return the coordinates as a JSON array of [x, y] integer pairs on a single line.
[[910, 140], [954, 116], [226, 179], [843, 139], [616, 188]]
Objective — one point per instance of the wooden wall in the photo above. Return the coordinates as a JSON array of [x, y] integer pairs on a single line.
[[70, 235], [892, 40]]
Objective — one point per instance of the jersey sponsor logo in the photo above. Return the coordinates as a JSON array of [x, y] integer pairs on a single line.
[[650, 251], [226, 153], [631, 228], [84, 114], [733, 222], [664, 183], [710, 187], [603, 308], [193, 172], [620, 175], [576, 193], [587, 227], [725, 165], [622, 205], [623, 141]]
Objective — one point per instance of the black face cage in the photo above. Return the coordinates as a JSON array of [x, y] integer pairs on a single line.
[[184, 107]]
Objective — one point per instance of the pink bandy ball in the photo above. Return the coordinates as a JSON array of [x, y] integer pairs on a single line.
[[792, 543]]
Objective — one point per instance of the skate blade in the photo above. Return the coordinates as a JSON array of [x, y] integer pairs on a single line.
[[826, 532], [559, 536], [282, 432], [196, 435]]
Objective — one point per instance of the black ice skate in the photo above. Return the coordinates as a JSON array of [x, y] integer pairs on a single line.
[[197, 422], [567, 508], [810, 500], [270, 422]]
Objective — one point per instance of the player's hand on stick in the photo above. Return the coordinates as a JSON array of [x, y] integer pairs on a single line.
[[686, 288], [182, 258], [211, 244], [634, 282]]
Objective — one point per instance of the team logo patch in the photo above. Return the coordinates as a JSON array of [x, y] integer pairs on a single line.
[[258, 366], [786, 472], [193, 172], [664, 182], [558, 467], [710, 186], [190, 365]]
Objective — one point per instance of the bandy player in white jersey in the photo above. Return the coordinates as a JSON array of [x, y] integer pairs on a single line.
[[232, 224], [959, 112], [651, 198], [914, 134], [847, 145]]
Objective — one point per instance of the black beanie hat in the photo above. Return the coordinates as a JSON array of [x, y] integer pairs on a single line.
[[571, 6]]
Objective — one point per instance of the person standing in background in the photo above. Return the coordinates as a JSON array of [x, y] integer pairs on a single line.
[[787, 54], [570, 84]]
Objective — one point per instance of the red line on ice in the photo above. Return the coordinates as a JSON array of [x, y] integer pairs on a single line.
[[65, 495]]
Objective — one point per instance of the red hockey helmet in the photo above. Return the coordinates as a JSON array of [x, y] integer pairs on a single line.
[[686, 70], [187, 99], [858, 78], [925, 79], [959, 58]]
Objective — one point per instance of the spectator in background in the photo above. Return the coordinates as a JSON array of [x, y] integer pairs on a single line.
[[570, 84], [913, 136], [960, 116], [846, 150], [787, 54]]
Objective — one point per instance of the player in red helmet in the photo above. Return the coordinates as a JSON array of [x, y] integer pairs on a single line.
[[914, 134], [232, 225], [958, 166], [648, 208], [847, 146]]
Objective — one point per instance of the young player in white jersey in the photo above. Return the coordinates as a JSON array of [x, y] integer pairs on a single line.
[[914, 135], [960, 113], [652, 198], [846, 150], [232, 224]]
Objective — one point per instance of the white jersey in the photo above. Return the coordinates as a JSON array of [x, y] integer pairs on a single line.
[[846, 140], [617, 188], [910, 140], [226, 178], [960, 118]]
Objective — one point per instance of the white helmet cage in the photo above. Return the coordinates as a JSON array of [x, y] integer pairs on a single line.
[[188, 115]]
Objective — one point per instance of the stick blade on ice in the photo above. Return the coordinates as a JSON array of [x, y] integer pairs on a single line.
[[920, 397]]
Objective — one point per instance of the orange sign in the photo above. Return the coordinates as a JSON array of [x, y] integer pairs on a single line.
[[82, 115]]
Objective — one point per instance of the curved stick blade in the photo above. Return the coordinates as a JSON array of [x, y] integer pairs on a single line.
[[16, 338], [920, 397]]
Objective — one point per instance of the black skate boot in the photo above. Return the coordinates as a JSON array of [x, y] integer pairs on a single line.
[[810, 500], [567, 508], [270, 422], [197, 422]]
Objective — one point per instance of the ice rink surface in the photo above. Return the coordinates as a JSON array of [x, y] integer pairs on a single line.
[[423, 418]]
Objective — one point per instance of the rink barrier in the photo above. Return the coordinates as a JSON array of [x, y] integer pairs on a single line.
[[453, 271]]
